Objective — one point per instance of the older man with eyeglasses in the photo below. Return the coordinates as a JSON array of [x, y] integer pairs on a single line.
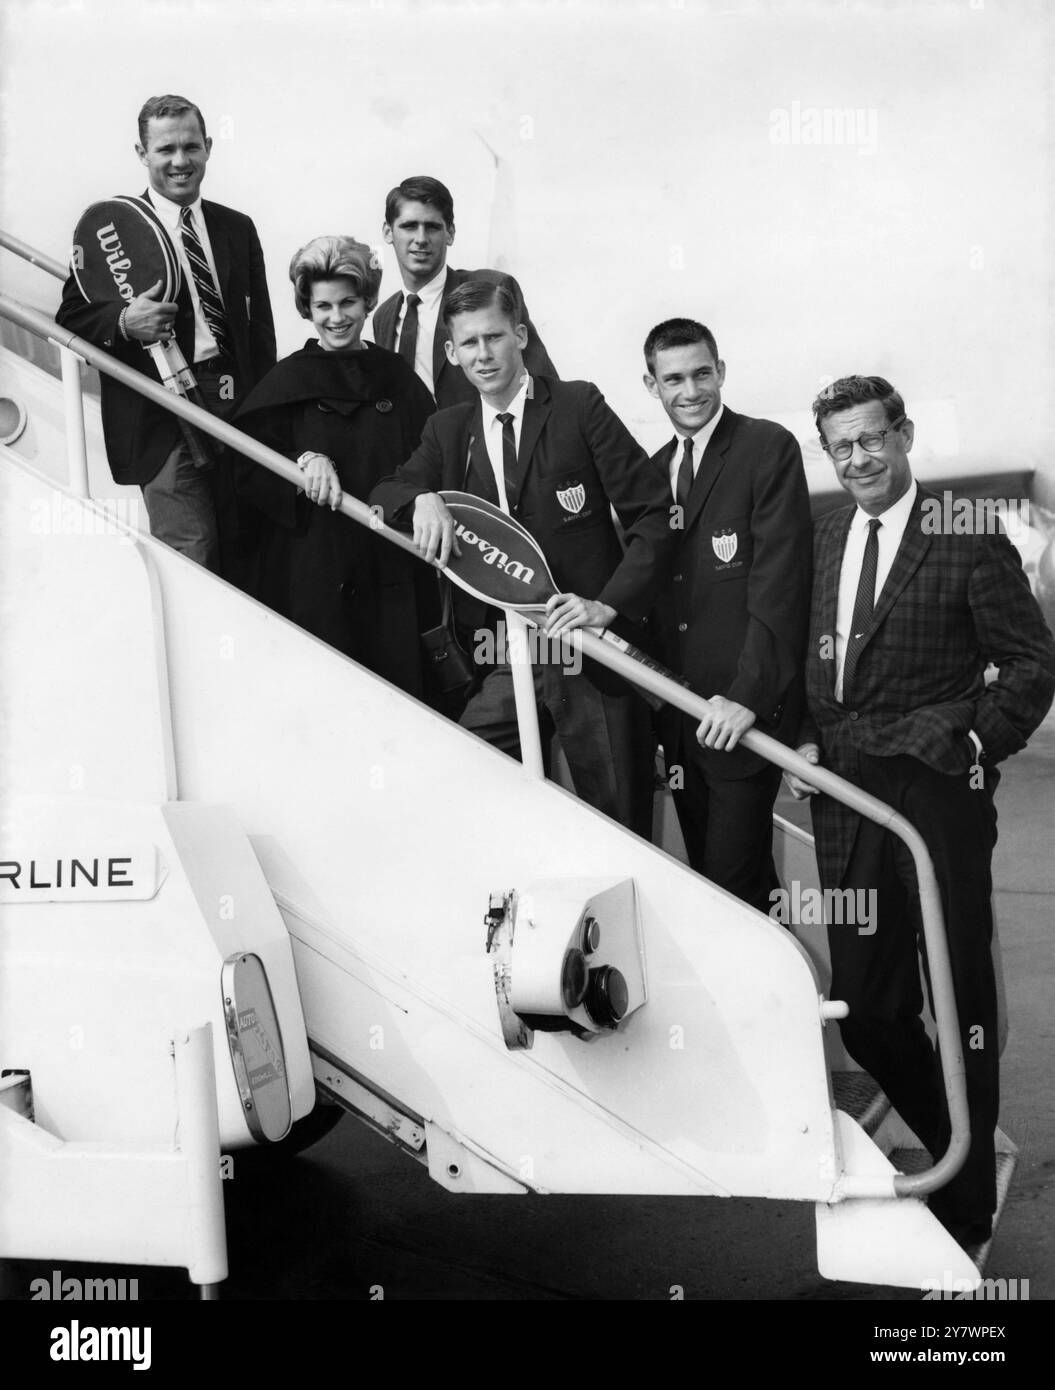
[[904, 621]]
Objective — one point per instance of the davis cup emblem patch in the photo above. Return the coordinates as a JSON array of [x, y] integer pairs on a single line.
[[572, 498], [724, 545]]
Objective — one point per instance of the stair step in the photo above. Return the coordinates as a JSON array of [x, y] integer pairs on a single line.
[[910, 1161], [1005, 1171], [918, 1160], [857, 1095]]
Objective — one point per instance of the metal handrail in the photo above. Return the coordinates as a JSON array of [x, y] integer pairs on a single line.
[[946, 1019], [33, 256]]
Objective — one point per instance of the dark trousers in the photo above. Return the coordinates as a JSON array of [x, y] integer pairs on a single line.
[[179, 504], [879, 978], [606, 737], [727, 823], [195, 510]]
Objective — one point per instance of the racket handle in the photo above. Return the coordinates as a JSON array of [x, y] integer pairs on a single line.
[[171, 369], [200, 454], [177, 377], [628, 649], [181, 374]]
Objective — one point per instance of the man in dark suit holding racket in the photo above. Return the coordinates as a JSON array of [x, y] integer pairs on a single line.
[[221, 320], [419, 226], [556, 458], [732, 619], [906, 617]]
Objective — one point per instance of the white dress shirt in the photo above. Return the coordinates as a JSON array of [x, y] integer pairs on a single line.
[[700, 440], [205, 345], [493, 433], [894, 520]]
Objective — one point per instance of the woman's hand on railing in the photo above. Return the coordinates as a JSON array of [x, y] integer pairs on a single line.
[[321, 483], [796, 786]]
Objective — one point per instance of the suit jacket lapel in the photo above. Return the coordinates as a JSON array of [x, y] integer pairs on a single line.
[[476, 456], [536, 413], [439, 338], [221, 251], [828, 570], [661, 460], [711, 466], [914, 546], [385, 322]]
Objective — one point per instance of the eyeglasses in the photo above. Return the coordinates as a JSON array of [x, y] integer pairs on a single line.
[[870, 443]]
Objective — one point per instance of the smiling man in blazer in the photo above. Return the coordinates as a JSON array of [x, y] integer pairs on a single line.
[[555, 456], [905, 620], [419, 226], [732, 618], [222, 322]]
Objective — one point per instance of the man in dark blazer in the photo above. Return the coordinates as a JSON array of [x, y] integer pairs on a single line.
[[905, 619], [419, 226], [732, 618], [555, 457], [230, 340]]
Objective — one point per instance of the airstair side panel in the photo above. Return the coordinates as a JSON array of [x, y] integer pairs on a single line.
[[383, 831]]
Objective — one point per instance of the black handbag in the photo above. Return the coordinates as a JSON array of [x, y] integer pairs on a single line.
[[451, 666]]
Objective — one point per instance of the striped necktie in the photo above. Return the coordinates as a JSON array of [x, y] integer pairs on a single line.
[[208, 294], [864, 606], [509, 459]]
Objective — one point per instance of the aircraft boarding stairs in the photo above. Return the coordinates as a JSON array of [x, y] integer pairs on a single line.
[[238, 868]]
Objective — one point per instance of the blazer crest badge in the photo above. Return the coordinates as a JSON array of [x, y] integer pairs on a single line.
[[724, 545], [572, 498]]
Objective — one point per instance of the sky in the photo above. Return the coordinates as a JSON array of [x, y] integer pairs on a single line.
[[831, 187]]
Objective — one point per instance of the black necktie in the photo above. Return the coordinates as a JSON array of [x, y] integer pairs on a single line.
[[864, 605], [208, 295], [408, 338], [685, 478], [509, 459]]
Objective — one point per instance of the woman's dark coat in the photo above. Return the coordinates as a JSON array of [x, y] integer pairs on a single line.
[[365, 409]]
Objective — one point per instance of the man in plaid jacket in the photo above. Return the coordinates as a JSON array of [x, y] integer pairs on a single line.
[[905, 619]]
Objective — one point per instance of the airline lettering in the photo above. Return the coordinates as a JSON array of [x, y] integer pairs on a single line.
[[115, 875]]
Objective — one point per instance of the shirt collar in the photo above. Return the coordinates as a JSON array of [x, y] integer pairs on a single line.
[[702, 437], [515, 406], [895, 518], [431, 293], [169, 212]]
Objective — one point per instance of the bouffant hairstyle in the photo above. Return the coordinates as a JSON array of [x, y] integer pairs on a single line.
[[330, 258]]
